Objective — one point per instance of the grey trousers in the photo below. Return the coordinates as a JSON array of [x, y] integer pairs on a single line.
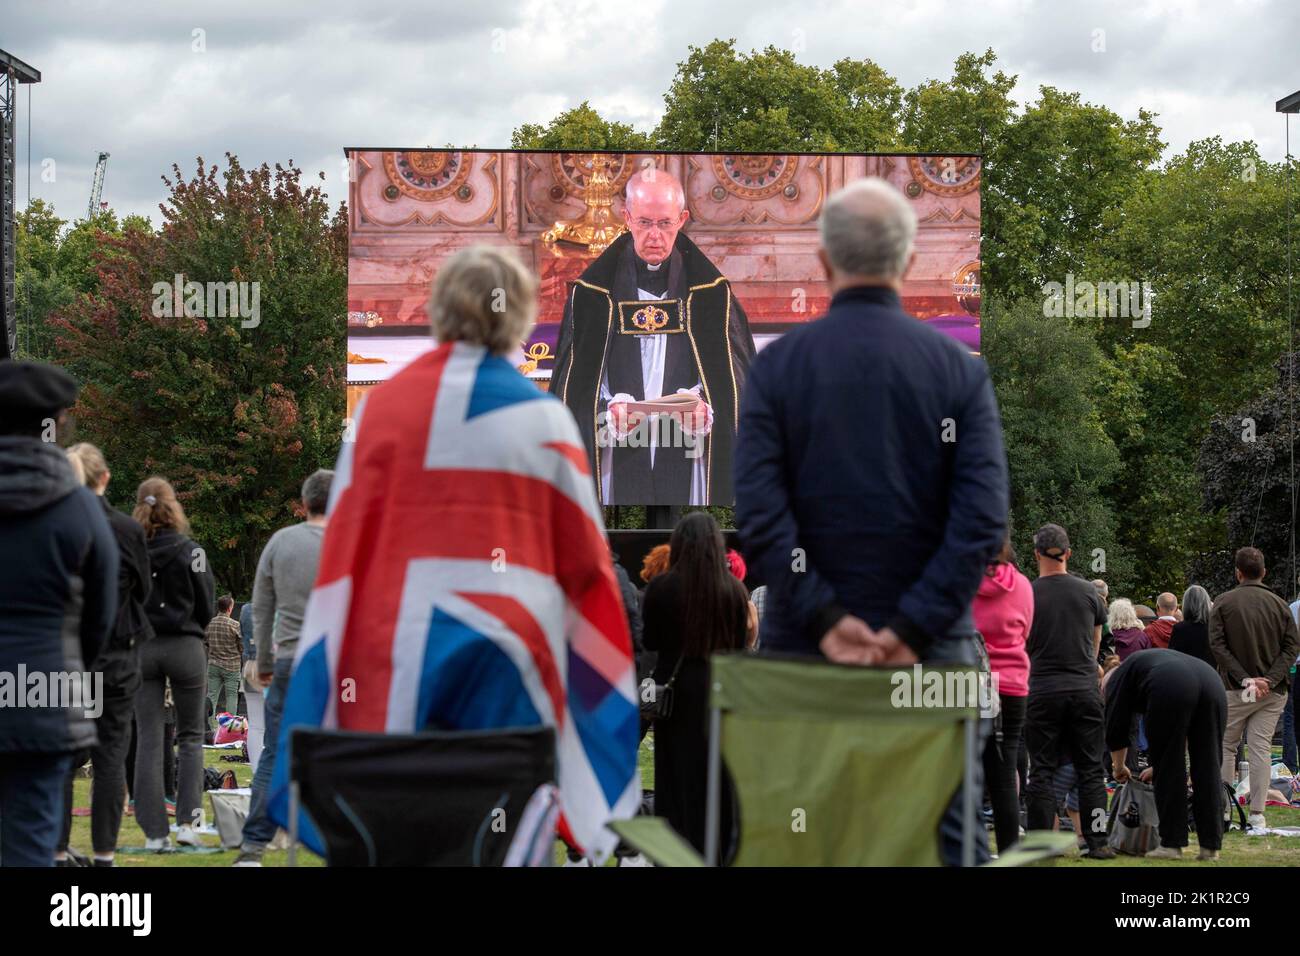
[[181, 661]]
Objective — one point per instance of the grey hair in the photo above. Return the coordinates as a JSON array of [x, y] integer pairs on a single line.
[[1122, 615], [1197, 604], [868, 229], [316, 491], [485, 296], [1103, 589]]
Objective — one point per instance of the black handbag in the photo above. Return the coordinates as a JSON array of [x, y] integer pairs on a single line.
[[660, 704]]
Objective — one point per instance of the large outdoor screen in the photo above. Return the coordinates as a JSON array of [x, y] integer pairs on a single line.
[[654, 304]]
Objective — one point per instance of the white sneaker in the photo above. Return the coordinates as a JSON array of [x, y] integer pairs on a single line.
[[581, 861], [636, 860], [1256, 821], [158, 844], [185, 836]]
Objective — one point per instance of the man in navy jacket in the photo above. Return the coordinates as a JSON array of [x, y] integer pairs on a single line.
[[871, 480]]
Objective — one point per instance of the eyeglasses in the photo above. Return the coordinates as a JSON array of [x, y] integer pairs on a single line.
[[663, 225]]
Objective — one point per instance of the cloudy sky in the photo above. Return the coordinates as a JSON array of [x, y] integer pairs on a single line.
[[273, 80]]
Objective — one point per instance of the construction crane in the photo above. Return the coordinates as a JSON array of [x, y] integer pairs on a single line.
[[97, 186]]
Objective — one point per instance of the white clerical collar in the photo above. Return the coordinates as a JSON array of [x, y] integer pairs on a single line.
[[653, 268]]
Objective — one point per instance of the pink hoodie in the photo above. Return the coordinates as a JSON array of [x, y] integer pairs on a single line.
[[1003, 612]]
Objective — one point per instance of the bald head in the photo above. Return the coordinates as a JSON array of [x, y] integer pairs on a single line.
[[1166, 603], [655, 211], [652, 185], [867, 231]]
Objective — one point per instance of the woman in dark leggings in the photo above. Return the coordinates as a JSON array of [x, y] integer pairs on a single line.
[[1185, 710], [1003, 611], [180, 605]]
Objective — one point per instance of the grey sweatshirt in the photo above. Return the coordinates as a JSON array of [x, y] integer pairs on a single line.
[[285, 575]]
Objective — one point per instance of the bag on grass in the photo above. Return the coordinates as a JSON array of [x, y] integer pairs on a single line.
[[230, 809], [1134, 822], [214, 779], [1233, 807]]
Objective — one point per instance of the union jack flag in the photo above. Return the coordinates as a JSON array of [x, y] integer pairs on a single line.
[[465, 583]]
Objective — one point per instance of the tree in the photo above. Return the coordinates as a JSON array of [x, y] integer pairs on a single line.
[[1051, 171], [40, 286], [725, 101], [580, 128], [1155, 493], [235, 409], [54, 266], [1206, 232], [1046, 374], [1245, 465]]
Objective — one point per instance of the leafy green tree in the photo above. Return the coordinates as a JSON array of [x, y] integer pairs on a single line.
[[237, 409], [1046, 373], [1206, 231], [578, 129], [1051, 170], [1155, 493], [725, 101], [1068, 164], [40, 285]]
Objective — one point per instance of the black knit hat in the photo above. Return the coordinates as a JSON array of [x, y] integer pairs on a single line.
[[31, 392]]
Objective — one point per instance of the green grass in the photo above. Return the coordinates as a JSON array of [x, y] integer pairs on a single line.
[[131, 834], [1238, 849]]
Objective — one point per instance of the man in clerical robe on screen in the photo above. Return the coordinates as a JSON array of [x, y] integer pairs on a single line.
[[653, 319]]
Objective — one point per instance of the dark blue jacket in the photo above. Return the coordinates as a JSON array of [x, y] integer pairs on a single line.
[[870, 476], [58, 594]]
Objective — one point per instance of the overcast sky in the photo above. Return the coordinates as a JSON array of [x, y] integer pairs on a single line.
[[274, 80]]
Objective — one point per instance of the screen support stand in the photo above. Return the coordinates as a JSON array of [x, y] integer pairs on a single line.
[[662, 517]]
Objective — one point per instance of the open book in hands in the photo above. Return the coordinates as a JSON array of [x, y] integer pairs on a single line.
[[666, 405]]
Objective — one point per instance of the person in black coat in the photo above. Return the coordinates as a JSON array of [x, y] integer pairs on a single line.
[[119, 662], [1191, 635], [1181, 699], [181, 602], [691, 611], [58, 589]]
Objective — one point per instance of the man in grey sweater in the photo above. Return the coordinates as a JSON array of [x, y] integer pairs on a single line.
[[285, 575]]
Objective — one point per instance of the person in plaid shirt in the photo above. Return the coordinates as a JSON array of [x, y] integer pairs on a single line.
[[225, 657]]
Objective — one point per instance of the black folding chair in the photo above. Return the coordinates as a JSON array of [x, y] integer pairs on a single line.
[[428, 799]]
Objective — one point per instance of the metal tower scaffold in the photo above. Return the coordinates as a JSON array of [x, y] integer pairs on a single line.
[[13, 72]]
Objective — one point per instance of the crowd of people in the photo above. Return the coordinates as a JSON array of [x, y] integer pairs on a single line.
[[1109, 693], [872, 502]]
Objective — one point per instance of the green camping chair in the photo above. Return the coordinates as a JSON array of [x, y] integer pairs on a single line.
[[836, 766]]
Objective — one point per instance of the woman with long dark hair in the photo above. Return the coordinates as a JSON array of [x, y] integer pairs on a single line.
[[693, 610], [181, 602]]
